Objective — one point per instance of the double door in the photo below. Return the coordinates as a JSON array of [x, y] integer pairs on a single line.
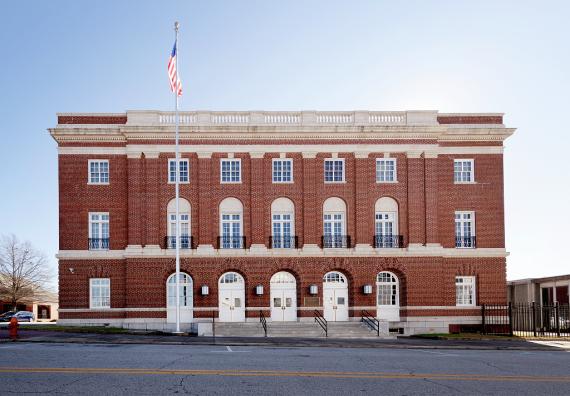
[[232, 305], [283, 305], [335, 304]]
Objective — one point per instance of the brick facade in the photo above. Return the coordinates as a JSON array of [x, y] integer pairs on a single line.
[[138, 262]]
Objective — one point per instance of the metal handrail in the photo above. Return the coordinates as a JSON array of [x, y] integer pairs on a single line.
[[98, 243], [465, 241], [335, 241], [263, 321], [371, 321], [186, 242], [284, 242], [231, 242], [388, 241], [320, 319]]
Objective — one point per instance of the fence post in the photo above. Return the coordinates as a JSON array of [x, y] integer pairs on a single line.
[[482, 318], [510, 318], [557, 318], [534, 318]]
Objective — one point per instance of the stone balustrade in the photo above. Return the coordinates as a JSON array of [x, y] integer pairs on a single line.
[[276, 118]]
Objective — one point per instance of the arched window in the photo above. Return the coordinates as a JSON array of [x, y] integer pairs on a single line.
[[231, 277], [185, 211], [283, 224], [386, 224], [283, 277], [334, 277], [334, 223], [387, 285], [185, 287], [231, 224]]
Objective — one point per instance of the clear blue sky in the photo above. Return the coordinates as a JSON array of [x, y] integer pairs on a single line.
[[453, 56]]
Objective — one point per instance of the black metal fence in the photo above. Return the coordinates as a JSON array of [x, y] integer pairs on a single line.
[[526, 320]]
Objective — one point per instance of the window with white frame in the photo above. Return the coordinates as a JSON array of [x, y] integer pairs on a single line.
[[465, 290], [184, 210], [386, 170], [98, 231], [183, 171], [463, 171], [386, 233], [465, 229], [282, 231], [231, 231], [98, 172], [334, 170], [282, 170], [230, 170], [100, 293]]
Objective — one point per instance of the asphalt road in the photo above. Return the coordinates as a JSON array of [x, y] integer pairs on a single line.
[[106, 369]]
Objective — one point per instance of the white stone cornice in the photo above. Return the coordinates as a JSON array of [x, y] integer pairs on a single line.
[[152, 154], [307, 251]]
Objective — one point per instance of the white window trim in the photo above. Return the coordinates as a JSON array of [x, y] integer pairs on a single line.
[[472, 181], [395, 170], [474, 299], [170, 160], [240, 170], [290, 160], [231, 221], [343, 170], [89, 182], [89, 222], [91, 294], [473, 226]]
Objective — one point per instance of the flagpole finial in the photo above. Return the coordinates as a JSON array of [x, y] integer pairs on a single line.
[[176, 25]]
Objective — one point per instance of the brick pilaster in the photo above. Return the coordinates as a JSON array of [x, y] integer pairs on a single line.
[[431, 204], [311, 234], [151, 198], [134, 192], [363, 212], [205, 236], [256, 195], [416, 199]]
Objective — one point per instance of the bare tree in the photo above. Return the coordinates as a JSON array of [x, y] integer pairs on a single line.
[[23, 270]]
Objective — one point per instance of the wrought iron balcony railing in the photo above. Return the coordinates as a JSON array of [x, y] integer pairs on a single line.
[[186, 242], [98, 243], [388, 241], [465, 242], [284, 242], [231, 242], [336, 241]]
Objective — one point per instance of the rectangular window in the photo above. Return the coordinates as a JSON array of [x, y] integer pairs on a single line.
[[184, 171], [463, 171], [230, 170], [465, 290], [98, 172], [98, 231], [333, 228], [100, 293], [231, 231], [282, 237], [184, 231], [386, 170], [334, 170], [465, 229], [282, 171], [386, 230]]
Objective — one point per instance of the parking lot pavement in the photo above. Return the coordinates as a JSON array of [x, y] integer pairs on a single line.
[[225, 369]]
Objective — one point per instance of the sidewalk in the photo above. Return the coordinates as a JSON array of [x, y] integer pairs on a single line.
[[166, 339]]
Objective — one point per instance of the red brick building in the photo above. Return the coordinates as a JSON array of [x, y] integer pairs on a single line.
[[397, 213]]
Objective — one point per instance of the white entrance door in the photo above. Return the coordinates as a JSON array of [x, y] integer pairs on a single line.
[[186, 298], [387, 297], [283, 297], [231, 292], [335, 297]]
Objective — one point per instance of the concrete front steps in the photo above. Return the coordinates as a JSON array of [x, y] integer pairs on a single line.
[[296, 329]]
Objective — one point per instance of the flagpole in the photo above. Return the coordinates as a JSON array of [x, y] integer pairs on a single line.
[[177, 188]]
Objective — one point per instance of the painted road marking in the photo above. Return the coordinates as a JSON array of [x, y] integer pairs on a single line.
[[272, 373], [229, 349]]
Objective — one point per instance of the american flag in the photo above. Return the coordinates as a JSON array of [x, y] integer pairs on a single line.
[[175, 83]]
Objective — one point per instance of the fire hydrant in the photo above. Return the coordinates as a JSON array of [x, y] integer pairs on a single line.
[[13, 327]]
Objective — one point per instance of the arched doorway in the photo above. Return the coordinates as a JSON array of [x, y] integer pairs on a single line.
[[283, 297], [388, 296], [231, 292], [186, 298], [335, 297]]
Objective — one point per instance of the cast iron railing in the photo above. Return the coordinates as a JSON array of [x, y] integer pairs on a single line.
[[98, 243], [465, 241], [321, 321], [335, 241], [231, 242], [263, 322], [371, 322], [284, 242], [186, 242], [388, 241]]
